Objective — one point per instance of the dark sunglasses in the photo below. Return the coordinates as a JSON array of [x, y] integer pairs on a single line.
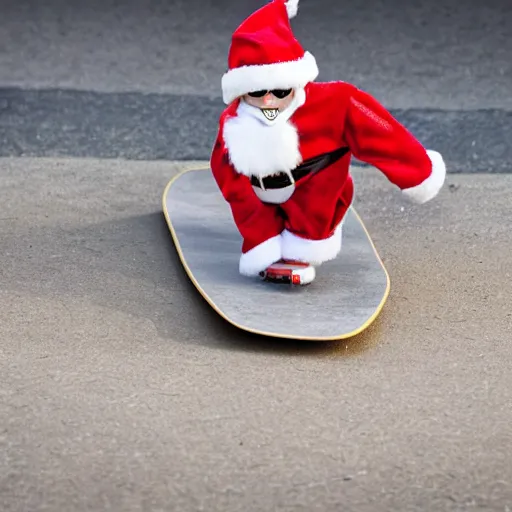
[[278, 93]]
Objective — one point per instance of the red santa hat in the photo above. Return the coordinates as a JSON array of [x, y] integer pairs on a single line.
[[264, 53]]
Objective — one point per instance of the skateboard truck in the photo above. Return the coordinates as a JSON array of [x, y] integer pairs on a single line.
[[289, 272]]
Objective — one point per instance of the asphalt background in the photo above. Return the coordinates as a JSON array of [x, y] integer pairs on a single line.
[[442, 67], [120, 389]]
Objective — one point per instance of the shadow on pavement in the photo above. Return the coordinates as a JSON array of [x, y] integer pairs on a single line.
[[130, 264]]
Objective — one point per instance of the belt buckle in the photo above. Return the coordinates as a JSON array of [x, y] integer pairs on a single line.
[[287, 174], [261, 180]]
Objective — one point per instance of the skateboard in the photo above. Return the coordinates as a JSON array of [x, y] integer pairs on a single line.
[[344, 299]]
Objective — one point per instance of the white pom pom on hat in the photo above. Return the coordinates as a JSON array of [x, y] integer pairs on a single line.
[[292, 7]]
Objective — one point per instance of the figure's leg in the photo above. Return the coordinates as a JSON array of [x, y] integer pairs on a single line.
[[310, 250], [314, 222]]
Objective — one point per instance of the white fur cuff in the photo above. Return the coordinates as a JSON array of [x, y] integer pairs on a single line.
[[313, 252], [430, 187], [260, 257]]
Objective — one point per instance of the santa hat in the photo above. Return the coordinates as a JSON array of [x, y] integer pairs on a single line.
[[264, 53]]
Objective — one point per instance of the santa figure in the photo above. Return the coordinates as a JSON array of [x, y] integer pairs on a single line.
[[282, 154]]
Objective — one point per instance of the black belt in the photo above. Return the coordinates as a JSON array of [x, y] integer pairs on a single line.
[[315, 164]]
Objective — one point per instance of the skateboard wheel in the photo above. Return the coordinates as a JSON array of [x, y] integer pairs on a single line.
[[289, 274]]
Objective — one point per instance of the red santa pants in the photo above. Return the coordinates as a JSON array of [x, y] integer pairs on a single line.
[[314, 216]]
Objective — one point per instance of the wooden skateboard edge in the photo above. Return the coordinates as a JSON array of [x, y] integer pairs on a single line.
[[214, 306]]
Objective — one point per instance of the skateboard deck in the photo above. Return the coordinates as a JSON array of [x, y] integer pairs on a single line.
[[346, 296]]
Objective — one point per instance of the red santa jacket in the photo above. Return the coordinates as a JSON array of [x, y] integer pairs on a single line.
[[334, 114]]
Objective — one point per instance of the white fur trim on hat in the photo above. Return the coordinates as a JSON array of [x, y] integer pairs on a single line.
[[282, 75], [430, 187], [260, 257], [313, 252]]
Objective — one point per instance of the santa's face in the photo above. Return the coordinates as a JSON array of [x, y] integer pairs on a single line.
[[259, 146], [271, 103]]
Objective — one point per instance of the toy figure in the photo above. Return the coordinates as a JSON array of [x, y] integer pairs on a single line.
[[282, 154]]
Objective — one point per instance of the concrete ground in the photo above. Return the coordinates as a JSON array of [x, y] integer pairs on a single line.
[[122, 390]]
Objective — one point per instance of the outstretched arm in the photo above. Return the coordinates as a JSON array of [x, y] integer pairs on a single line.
[[377, 138], [259, 224]]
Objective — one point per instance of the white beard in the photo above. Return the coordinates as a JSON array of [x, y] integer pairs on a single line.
[[261, 147]]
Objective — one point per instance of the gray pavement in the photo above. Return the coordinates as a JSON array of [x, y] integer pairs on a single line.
[[142, 79], [437, 54], [122, 390]]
